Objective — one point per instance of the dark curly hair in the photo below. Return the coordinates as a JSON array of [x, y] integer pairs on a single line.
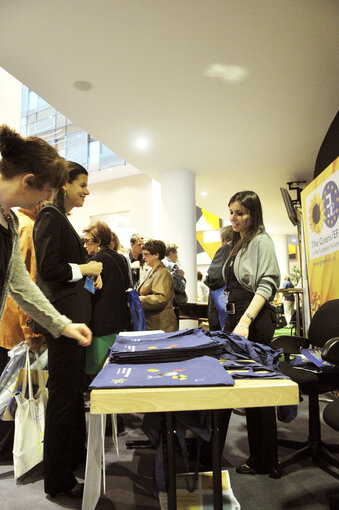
[[30, 155], [100, 231], [155, 246]]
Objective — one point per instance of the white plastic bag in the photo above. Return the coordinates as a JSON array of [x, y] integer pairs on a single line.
[[10, 379], [10, 375], [29, 423]]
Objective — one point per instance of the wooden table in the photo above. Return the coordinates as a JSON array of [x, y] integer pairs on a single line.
[[194, 311], [245, 393]]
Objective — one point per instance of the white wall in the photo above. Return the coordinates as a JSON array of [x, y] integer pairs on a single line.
[[10, 100], [132, 194]]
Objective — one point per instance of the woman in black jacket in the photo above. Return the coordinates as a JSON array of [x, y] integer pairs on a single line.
[[62, 269], [110, 312]]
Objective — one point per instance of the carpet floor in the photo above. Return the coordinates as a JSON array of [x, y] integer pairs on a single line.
[[129, 479]]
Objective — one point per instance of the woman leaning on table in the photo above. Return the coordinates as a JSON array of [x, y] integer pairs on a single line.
[[29, 169], [156, 292], [62, 271], [252, 277]]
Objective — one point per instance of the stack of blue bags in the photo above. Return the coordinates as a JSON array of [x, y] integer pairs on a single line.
[[182, 358], [187, 357], [176, 346]]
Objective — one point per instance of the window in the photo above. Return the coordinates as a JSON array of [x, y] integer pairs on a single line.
[[38, 118]]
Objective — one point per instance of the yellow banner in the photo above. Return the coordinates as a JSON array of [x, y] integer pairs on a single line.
[[320, 207]]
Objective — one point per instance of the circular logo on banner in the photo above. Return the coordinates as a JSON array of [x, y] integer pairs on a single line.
[[330, 198]]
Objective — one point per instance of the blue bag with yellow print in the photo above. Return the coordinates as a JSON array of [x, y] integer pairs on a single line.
[[203, 371]]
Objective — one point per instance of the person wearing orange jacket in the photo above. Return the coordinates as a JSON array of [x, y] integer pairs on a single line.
[[16, 324]]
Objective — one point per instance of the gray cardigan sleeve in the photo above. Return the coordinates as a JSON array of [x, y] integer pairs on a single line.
[[31, 299], [257, 267]]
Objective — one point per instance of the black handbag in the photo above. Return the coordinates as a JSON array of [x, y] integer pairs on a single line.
[[180, 298]]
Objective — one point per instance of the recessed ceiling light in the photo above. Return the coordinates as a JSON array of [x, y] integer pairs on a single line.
[[227, 73], [204, 193], [82, 85], [141, 143]]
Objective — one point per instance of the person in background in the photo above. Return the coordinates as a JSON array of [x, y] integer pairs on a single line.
[[156, 292], [172, 256], [252, 277], [179, 281], [226, 235], [62, 272], [288, 299], [171, 262], [29, 170], [110, 312], [16, 324], [115, 245], [214, 279], [136, 259], [202, 289]]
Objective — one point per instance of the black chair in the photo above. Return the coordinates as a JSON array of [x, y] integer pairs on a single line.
[[330, 353], [324, 326], [331, 412]]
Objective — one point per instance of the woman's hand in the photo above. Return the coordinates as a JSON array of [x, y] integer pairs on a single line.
[[93, 268], [80, 332], [241, 329], [98, 283]]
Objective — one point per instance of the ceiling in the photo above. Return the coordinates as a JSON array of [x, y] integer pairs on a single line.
[[149, 66]]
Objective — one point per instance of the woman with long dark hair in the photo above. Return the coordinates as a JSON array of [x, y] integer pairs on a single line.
[[252, 277], [62, 271], [251, 272]]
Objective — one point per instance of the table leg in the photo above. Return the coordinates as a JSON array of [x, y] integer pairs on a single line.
[[297, 315], [171, 489], [92, 488], [216, 461]]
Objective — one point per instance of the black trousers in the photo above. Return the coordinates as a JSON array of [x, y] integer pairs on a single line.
[[262, 439], [65, 427], [6, 427], [261, 421]]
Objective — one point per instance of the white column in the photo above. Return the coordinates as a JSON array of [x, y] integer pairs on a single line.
[[156, 209], [179, 222]]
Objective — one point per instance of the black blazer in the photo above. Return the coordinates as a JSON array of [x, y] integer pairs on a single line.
[[110, 312], [56, 245]]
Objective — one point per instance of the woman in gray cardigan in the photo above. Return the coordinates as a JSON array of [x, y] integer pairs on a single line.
[[252, 277], [29, 170]]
